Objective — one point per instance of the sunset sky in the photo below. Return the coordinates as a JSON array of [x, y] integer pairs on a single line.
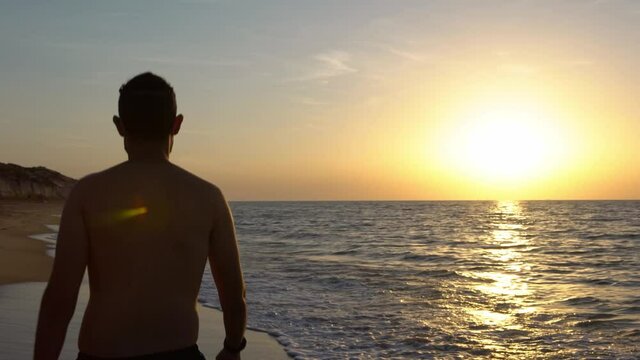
[[339, 100]]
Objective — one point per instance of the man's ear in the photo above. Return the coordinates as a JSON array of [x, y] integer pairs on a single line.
[[120, 126], [177, 122]]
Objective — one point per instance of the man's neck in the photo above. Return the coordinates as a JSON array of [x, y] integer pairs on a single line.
[[147, 158], [147, 151]]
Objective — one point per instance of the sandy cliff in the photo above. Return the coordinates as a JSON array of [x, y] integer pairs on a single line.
[[38, 183]]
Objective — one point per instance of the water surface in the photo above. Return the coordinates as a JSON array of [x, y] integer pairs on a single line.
[[543, 279]]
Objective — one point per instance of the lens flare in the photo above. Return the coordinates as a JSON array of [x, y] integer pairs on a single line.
[[131, 213]]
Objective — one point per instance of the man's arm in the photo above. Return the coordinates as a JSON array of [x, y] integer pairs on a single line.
[[61, 294], [227, 274]]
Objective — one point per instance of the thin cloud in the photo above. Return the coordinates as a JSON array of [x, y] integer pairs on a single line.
[[192, 61], [329, 65], [400, 51], [308, 101], [405, 54]]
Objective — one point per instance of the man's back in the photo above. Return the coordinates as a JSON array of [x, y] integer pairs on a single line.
[[144, 229], [149, 226]]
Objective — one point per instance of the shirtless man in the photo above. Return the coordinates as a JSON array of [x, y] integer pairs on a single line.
[[144, 229]]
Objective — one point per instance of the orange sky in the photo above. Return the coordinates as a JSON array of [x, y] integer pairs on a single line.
[[365, 100]]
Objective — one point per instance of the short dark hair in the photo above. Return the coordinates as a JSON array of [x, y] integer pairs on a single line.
[[147, 107]]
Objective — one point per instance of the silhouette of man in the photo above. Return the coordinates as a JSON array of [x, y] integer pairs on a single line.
[[144, 229]]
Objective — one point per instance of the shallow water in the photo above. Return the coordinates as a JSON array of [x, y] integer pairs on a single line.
[[543, 279], [49, 239]]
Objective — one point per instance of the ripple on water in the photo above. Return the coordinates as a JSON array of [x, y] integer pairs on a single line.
[[484, 280]]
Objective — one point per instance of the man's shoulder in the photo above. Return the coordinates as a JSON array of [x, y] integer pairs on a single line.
[[93, 179], [82, 189], [203, 189], [197, 181], [87, 181]]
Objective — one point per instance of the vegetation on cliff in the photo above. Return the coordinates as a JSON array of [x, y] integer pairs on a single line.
[[36, 183]]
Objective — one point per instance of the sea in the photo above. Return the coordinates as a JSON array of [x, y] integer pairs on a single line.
[[442, 280]]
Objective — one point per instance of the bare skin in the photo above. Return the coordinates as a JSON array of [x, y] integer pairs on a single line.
[[144, 229]]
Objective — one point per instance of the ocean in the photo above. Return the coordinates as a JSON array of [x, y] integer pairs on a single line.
[[443, 280]]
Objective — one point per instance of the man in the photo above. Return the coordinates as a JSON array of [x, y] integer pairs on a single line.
[[144, 229]]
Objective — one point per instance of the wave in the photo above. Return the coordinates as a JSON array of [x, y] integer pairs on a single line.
[[50, 239]]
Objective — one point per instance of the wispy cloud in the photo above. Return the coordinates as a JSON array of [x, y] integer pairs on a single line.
[[329, 65], [308, 101], [408, 55], [404, 49], [403, 52], [192, 61]]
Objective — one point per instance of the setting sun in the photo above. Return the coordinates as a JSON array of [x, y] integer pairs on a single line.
[[504, 142]]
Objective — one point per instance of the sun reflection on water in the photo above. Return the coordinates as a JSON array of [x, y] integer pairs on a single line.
[[510, 285], [504, 287]]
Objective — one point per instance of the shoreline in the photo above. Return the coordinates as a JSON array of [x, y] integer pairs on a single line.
[[24, 259], [24, 271]]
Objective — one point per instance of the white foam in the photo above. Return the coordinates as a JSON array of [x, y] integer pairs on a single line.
[[55, 228], [49, 238]]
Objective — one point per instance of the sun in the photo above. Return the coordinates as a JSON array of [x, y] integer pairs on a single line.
[[504, 143]]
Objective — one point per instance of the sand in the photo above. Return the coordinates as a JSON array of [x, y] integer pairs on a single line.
[[24, 269], [23, 259]]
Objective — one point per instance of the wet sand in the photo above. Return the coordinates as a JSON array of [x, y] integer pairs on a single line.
[[21, 258], [25, 268]]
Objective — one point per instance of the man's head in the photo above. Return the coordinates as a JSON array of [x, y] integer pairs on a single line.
[[147, 109]]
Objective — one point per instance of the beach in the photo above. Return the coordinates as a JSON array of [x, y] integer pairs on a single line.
[[22, 258], [25, 268]]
